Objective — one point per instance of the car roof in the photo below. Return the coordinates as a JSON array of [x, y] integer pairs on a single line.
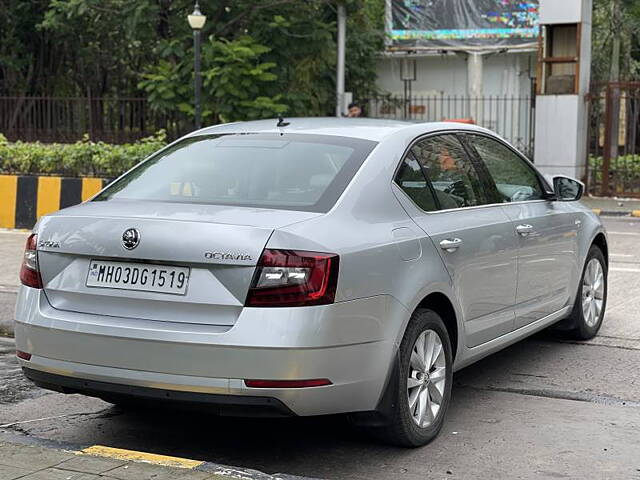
[[364, 128]]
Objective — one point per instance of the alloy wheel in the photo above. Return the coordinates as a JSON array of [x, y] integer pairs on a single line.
[[592, 292], [426, 378]]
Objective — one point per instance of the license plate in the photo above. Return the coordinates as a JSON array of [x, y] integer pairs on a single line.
[[144, 277]]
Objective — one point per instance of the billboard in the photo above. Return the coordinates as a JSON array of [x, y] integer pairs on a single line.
[[415, 24]]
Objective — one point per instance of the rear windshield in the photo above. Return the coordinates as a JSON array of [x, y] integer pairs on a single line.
[[290, 171]]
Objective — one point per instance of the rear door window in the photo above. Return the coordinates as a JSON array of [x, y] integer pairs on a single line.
[[291, 171], [456, 181], [411, 180]]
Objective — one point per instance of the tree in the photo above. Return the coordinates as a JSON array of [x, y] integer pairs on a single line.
[[234, 77], [616, 40], [260, 57]]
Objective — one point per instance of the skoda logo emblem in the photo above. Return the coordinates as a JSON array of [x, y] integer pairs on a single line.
[[130, 238]]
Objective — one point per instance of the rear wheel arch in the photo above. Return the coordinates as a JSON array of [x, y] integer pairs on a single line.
[[440, 303]]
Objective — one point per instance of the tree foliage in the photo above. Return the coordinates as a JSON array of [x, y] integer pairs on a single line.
[[616, 19], [259, 57]]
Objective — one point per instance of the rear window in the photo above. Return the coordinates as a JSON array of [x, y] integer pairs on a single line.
[[290, 171]]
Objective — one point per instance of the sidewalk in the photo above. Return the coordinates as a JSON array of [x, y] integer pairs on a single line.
[[11, 250], [605, 206], [21, 460]]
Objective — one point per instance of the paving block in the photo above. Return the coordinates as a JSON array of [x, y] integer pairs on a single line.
[[56, 474], [11, 473], [90, 464], [30, 457], [147, 471]]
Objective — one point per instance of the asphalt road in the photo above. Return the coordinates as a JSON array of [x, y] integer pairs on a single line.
[[543, 408]]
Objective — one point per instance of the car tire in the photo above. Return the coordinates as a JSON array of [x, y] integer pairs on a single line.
[[591, 300], [402, 427]]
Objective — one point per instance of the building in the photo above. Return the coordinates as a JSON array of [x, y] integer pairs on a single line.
[[462, 59]]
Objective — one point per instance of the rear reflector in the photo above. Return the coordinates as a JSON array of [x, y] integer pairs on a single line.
[[318, 382], [29, 272], [23, 355], [290, 278]]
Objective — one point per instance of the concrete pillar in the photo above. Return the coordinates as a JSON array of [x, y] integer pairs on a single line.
[[562, 120], [475, 66], [475, 74]]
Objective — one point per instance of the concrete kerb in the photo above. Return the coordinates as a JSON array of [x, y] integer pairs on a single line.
[[100, 460]]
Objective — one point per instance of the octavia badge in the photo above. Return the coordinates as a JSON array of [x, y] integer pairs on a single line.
[[130, 238]]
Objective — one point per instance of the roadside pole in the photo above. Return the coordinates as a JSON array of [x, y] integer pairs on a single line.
[[340, 72]]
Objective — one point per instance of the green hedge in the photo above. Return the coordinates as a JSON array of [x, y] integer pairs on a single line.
[[622, 162], [624, 174], [626, 165], [81, 159]]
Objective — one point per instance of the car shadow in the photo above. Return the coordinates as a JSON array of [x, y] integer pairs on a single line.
[[326, 447]]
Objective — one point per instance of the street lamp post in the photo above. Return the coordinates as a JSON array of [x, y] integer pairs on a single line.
[[196, 22], [341, 44]]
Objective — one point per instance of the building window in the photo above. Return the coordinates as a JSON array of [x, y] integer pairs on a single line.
[[559, 59]]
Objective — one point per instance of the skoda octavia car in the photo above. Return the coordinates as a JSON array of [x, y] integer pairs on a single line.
[[327, 266]]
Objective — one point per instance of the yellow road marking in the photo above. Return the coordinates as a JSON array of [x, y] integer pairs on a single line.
[[8, 193], [132, 455], [597, 211], [90, 186], [635, 213], [48, 195]]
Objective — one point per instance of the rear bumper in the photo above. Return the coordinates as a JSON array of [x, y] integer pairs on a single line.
[[350, 343], [232, 405]]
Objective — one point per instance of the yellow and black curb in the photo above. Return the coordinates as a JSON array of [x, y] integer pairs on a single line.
[[177, 462], [135, 456], [616, 213], [25, 198], [60, 456]]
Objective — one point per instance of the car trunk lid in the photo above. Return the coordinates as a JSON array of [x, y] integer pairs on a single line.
[[220, 245]]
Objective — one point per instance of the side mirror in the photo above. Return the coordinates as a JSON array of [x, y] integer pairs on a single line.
[[567, 189]]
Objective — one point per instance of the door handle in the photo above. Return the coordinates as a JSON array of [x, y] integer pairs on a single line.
[[524, 229], [451, 244]]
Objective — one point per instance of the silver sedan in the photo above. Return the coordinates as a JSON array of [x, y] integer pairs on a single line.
[[326, 266]]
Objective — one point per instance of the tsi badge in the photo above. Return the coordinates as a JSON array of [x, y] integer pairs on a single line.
[[130, 238]]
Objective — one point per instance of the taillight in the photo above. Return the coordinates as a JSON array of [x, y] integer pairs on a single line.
[[30, 273], [23, 355], [288, 278]]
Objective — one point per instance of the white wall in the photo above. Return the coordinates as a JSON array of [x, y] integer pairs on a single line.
[[504, 74], [561, 11], [560, 135]]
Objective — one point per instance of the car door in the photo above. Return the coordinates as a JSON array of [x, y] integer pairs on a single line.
[[445, 194], [547, 230]]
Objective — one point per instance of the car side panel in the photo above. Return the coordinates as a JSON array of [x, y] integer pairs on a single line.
[[483, 269], [548, 260]]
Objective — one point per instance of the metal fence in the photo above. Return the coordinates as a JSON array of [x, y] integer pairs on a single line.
[[614, 140], [509, 116], [67, 119], [118, 120]]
